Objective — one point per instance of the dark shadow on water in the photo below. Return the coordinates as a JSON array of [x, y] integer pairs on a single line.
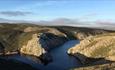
[[46, 58], [86, 61], [25, 59], [10, 64]]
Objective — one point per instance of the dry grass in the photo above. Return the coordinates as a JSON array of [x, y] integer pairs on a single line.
[[100, 46]]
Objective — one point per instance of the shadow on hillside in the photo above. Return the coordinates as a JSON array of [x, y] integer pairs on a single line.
[[86, 61], [49, 41]]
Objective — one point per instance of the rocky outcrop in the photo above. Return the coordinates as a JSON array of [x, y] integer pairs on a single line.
[[100, 46], [48, 37], [50, 41], [14, 41], [29, 44], [29, 39]]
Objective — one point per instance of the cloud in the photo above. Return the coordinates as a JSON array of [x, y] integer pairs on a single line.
[[88, 16], [14, 13], [105, 22], [5, 20]]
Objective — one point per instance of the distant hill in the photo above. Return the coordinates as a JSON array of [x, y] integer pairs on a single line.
[[109, 25]]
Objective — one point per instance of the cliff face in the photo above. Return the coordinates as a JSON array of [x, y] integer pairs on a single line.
[[13, 42], [29, 39], [29, 44], [100, 46], [50, 41]]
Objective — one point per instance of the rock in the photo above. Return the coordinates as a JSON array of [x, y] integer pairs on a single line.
[[29, 44], [26, 39], [15, 41], [100, 46], [50, 41]]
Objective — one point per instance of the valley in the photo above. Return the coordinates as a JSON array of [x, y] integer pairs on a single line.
[[56, 47]]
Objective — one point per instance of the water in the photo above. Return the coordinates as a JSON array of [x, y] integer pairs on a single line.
[[61, 60]]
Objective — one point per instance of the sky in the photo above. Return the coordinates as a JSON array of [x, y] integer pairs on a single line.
[[36, 10]]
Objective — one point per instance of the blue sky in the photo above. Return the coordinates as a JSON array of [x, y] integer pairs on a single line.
[[35, 10]]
